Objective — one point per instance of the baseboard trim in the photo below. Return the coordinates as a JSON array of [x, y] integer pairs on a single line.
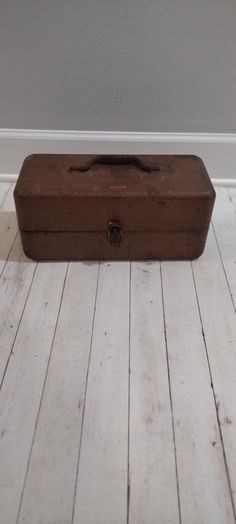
[[217, 150], [116, 136], [224, 182], [10, 179]]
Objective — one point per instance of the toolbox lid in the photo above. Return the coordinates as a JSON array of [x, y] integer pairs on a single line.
[[61, 192]]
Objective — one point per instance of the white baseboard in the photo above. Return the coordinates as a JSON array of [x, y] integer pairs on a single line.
[[218, 151]]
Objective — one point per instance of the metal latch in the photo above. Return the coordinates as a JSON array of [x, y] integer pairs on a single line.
[[114, 233]]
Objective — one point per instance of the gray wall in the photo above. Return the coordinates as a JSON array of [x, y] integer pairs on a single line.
[[139, 65]]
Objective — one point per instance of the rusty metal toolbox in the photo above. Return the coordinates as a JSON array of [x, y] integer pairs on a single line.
[[113, 207]]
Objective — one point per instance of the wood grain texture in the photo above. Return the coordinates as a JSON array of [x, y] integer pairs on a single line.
[[4, 188], [8, 225], [15, 284], [219, 325], [224, 221], [23, 384], [50, 484], [113, 409], [152, 475], [203, 483], [232, 196], [101, 495]]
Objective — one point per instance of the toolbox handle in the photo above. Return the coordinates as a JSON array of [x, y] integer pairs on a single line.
[[116, 160]]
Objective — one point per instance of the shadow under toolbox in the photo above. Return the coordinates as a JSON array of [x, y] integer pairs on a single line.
[[114, 207]]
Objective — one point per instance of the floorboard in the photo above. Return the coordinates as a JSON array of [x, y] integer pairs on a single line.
[[101, 494], [15, 285], [4, 188], [224, 223], [200, 459], [152, 468], [117, 384], [8, 224], [219, 327], [50, 483], [22, 387]]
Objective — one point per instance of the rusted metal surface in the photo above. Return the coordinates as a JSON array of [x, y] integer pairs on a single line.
[[113, 207]]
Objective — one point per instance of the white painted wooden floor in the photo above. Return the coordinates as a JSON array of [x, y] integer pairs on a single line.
[[118, 385]]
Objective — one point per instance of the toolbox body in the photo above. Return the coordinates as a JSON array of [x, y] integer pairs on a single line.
[[113, 207]]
